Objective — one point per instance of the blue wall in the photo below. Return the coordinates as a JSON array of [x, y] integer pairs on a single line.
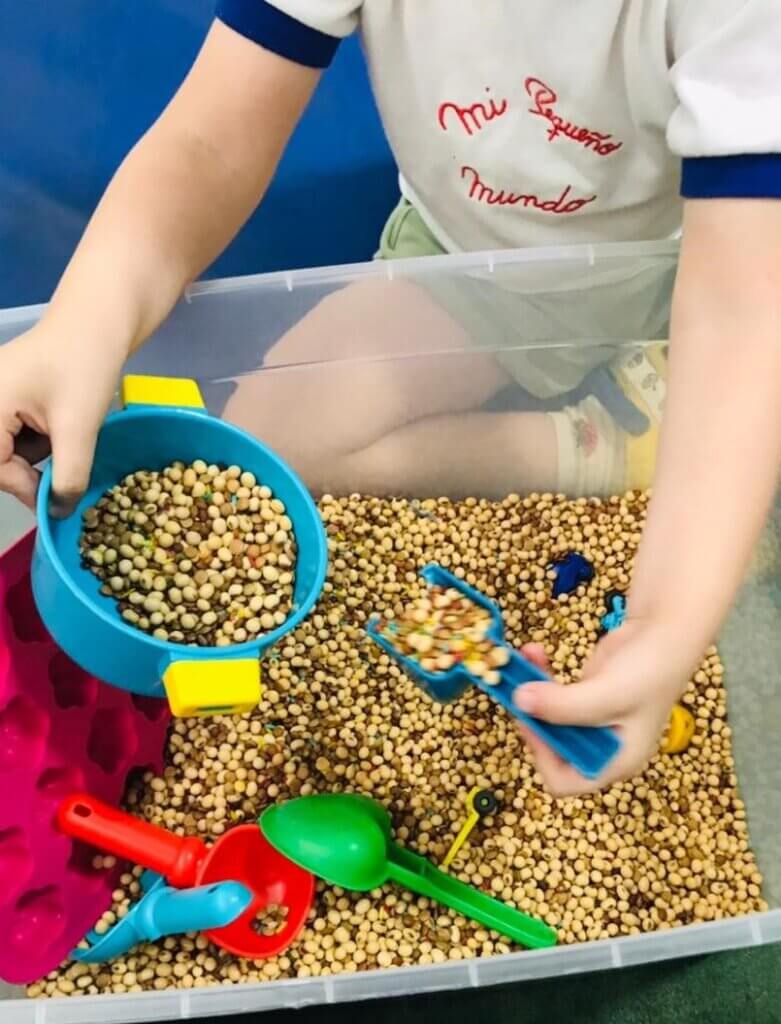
[[80, 80]]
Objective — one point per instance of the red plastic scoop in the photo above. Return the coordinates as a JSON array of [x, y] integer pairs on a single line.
[[241, 855]]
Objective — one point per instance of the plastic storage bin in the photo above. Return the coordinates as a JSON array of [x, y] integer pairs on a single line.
[[373, 344]]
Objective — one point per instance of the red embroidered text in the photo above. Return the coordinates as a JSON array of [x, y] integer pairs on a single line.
[[482, 193], [603, 144], [472, 119]]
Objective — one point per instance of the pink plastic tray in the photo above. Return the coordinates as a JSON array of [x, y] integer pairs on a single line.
[[60, 731]]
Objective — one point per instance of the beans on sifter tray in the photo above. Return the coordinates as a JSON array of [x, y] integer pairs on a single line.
[[197, 554]]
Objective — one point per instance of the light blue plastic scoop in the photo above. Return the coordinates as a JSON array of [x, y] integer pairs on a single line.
[[163, 910]]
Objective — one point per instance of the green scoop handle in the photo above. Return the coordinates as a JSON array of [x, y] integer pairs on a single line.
[[416, 873]]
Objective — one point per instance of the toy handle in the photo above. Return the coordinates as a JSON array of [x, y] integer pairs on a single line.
[[179, 392], [202, 688], [461, 838], [589, 749], [178, 858], [416, 873], [205, 908]]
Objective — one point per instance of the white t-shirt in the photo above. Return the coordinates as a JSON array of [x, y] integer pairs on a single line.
[[542, 122]]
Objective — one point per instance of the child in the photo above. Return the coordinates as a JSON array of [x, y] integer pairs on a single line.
[[513, 124]]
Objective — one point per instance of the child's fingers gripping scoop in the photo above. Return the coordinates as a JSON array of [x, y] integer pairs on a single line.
[[589, 749]]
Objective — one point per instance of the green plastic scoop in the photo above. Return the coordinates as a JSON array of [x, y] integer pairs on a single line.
[[346, 839]]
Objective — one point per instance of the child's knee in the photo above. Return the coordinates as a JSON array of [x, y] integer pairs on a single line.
[[353, 322]]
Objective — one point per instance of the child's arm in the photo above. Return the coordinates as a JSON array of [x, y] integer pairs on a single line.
[[721, 444], [718, 470], [174, 204]]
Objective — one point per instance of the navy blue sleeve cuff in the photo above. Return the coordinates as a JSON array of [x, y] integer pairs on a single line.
[[274, 30], [747, 176]]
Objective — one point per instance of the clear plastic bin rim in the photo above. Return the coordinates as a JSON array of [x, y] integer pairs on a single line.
[[736, 933], [586, 255]]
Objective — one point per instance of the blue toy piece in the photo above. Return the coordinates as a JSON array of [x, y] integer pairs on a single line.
[[571, 570], [586, 748], [616, 603], [89, 627], [163, 911]]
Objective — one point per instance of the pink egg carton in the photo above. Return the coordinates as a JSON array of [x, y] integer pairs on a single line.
[[61, 731]]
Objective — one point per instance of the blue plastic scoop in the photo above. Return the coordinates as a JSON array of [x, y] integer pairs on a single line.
[[588, 749], [163, 910]]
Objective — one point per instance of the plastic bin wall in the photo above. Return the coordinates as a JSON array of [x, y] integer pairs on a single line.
[[345, 347], [88, 77]]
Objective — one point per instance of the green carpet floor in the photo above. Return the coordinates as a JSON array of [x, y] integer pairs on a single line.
[[726, 988]]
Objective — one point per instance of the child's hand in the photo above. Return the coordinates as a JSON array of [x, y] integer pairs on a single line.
[[53, 396], [179, 197], [630, 683]]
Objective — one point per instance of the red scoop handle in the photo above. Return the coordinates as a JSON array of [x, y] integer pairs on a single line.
[[177, 858]]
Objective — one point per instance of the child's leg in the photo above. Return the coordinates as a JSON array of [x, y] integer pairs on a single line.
[[485, 454], [377, 416], [350, 398], [370, 378], [347, 398], [579, 450]]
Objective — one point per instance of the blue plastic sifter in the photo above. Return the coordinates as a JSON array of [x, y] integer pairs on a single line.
[[164, 421], [588, 749]]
